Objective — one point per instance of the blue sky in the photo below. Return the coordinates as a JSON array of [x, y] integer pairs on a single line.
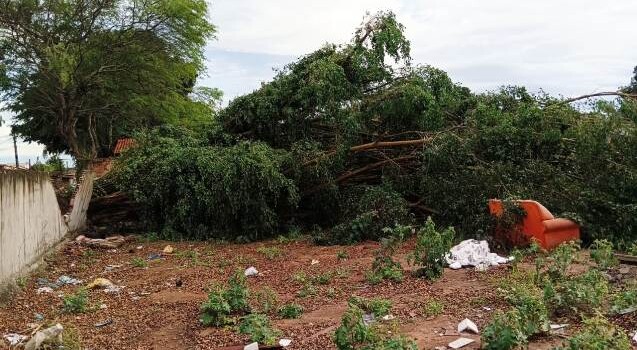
[[566, 47]]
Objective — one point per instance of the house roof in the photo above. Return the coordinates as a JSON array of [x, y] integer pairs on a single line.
[[122, 145]]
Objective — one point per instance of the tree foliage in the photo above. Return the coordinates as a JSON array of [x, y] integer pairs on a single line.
[[79, 74]]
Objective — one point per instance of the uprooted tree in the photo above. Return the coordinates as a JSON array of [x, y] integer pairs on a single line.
[[355, 138]]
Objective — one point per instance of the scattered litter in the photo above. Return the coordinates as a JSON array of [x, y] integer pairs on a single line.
[[14, 338], [103, 306], [99, 283], [111, 267], [368, 319], [440, 348], [252, 346], [43, 336], [113, 289], [460, 342], [103, 323], [314, 262], [471, 252], [635, 337], [44, 290], [388, 317], [467, 325], [285, 342], [558, 326], [42, 281], [168, 249], [627, 310], [139, 247], [109, 242], [64, 279], [38, 316], [154, 256], [486, 308], [456, 265], [251, 271]]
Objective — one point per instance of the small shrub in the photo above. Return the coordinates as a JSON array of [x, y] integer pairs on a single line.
[[266, 299], [291, 311], [581, 294], [624, 300], [602, 254], [597, 334], [222, 303], [384, 267], [258, 327], [299, 277], [307, 290], [354, 333], [323, 278], [216, 310], [632, 250], [559, 260], [342, 255], [237, 293], [377, 306], [530, 305], [270, 253], [431, 247], [139, 262], [75, 303], [433, 308], [504, 332]]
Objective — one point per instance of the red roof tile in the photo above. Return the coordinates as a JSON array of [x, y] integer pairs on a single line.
[[123, 144]]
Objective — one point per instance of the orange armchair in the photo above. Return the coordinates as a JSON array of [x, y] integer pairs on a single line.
[[540, 224]]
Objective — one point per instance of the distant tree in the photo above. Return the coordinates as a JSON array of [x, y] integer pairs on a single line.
[[78, 74]]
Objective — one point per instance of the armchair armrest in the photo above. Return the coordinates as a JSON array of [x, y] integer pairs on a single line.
[[559, 225]]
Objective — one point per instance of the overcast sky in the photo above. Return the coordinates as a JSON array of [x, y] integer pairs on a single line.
[[567, 47]]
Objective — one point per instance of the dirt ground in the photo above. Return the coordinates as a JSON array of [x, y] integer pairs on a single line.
[[158, 306]]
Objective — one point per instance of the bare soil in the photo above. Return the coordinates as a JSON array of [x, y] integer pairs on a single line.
[[158, 306]]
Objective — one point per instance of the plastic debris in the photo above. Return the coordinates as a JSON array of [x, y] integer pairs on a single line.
[[154, 256], [109, 242], [635, 336], [111, 267], [388, 317], [44, 290], [38, 317], [475, 253], [460, 342], [467, 325], [368, 319], [168, 249], [252, 346], [455, 265], [64, 279], [103, 323], [14, 338], [139, 247], [251, 271], [99, 283], [314, 262], [285, 342], [627, 310], [559, 326], [53, 332]]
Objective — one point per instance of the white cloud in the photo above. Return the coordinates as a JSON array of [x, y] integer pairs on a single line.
[[568, 46]]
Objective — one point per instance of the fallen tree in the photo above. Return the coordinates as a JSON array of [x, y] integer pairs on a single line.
[[343, 123]]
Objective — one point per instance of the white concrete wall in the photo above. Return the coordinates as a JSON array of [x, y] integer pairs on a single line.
[[30, 221]]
